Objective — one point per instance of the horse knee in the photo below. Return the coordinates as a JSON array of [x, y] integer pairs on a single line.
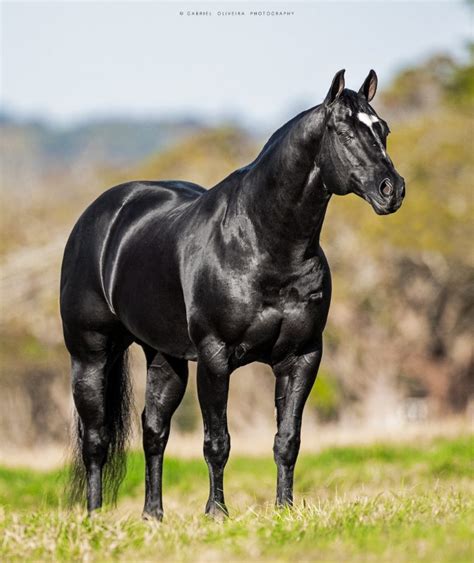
[[155, 433], [217, 449], [286, 448]]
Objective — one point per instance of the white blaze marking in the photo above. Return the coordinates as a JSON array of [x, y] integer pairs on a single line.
[[369, 120]]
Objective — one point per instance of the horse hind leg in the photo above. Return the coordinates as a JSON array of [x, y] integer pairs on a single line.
[[166, 383], [88, 382], [101, 395]]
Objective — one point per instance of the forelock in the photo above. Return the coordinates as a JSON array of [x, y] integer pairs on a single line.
[[355, 103]]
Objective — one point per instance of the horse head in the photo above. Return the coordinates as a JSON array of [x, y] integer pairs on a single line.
[[353, 153]]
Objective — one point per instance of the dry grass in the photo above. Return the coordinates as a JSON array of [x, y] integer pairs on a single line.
[[369, 503]]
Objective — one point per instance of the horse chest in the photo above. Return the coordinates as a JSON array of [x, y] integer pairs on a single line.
[[299, 308], [285, 320]]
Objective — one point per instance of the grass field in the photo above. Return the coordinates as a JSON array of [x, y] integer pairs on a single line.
[[373, 503]]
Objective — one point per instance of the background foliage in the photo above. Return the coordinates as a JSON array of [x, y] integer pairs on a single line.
[[398, 339]]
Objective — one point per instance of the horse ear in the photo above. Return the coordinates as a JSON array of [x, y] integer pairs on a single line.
[[369, 87], [337, 86]]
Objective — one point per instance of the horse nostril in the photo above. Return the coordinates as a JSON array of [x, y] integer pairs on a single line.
[[386, 187]]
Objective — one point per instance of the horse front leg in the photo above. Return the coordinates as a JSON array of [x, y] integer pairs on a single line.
[[213, 390], [166, 382], [291, 391]]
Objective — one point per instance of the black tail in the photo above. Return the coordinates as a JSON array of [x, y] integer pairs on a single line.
[[118, 409]]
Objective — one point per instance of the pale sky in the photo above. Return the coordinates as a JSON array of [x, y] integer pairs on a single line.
[[70, 60]]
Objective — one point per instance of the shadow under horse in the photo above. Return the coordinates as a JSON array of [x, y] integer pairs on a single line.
[[225, 276]]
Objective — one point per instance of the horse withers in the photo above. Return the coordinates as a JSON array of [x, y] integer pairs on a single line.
[[225, 277]]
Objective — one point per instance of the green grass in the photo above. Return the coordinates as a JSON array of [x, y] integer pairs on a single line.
[[377, 503]]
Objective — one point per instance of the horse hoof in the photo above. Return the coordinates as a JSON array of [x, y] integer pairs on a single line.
[[284, 505], [153, 516], [93, 514], [217, 512]]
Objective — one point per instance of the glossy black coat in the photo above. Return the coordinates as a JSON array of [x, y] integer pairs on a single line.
[[224, 276]]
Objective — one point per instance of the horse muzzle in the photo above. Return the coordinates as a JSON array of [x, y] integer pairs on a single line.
[[389, 196]]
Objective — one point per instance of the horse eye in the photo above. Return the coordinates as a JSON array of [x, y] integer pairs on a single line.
[[345, 134]]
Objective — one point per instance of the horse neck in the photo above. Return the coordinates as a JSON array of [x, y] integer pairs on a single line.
[[283, 192]]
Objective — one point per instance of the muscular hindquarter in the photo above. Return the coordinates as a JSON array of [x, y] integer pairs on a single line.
[[129, 229]]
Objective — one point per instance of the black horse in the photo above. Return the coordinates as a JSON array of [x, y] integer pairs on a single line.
[[225, 276]]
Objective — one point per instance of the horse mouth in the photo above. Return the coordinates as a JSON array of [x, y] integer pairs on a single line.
[[384, 209]]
